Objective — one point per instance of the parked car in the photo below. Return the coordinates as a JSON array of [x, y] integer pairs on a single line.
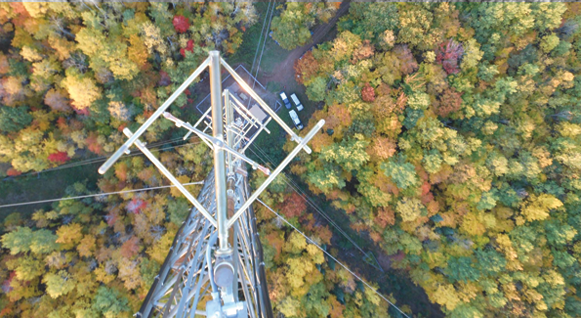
[[297, 102], [287, 104], [296, 119]]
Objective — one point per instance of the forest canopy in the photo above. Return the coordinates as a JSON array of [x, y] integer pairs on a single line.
[[453, 142], [452, 146]]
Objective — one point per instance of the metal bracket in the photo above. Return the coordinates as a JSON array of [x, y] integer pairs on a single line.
[[217, 143]]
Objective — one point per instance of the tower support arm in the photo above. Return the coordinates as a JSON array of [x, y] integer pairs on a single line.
[[152, 118], [171, 178], [276, 171]]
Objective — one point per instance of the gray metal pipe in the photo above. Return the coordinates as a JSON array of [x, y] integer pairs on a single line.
[[219, 158], [229, 133], [211, 243]]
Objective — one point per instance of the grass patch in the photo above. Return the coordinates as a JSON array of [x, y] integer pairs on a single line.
[[274, 87], [43, 186], [271, 143], [273, 53], [247, 50]]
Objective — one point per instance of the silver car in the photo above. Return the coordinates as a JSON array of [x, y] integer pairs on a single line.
[[296, 119], [297, 102]]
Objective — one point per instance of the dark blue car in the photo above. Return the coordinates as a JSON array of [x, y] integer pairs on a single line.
[[287, 104]]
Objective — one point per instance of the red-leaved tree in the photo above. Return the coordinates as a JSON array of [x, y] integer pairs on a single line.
[[111, 218], [407, 61], [57, 100], [305, 67], [293, 206], [6, 288], [11, 172], [448, 54], [368, 93], [131, 247], [449, 102], [180, 23], [164, 79], [59, 157], [189, 47], [385, 217], [136, 205], [93, 144]]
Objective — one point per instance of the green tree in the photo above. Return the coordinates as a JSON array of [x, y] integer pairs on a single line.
[[18, 241], [26, 268], [549, 42], [43, 242], [13, 119], [178, 210], [401, 172], [58, 284], [374, 18], [291, 28], [409, 209], [349, 153], [325, 178], [316, 90], [461, 269], [109, 302], [415, 23]]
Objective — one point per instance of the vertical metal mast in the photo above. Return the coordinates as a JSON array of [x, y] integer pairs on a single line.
[[219, 162], [214, 267]]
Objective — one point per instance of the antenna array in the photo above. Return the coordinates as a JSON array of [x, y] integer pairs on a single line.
[[214, 267]]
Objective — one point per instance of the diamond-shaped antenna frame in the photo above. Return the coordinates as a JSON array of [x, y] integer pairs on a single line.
[[228, 144]]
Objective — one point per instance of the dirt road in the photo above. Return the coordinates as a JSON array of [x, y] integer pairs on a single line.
[[284, 71]]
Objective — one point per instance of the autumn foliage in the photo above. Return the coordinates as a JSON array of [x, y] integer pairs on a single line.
[[305, 67], [59, 157], [180, 23], [367, 93], [449, 102], [189, 47], [459, 151], [11, 172], [164, 79], [451, 147], [448, 54], [293, 206]]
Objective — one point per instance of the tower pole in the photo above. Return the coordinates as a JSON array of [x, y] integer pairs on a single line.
[[219, 157]]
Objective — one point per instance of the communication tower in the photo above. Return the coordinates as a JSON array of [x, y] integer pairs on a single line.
[[214, 267]]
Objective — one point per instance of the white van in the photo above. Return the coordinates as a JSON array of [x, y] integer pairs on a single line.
[[296, 120], [297, 102]]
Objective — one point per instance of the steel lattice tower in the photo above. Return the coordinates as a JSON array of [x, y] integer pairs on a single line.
[[214, 267]]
